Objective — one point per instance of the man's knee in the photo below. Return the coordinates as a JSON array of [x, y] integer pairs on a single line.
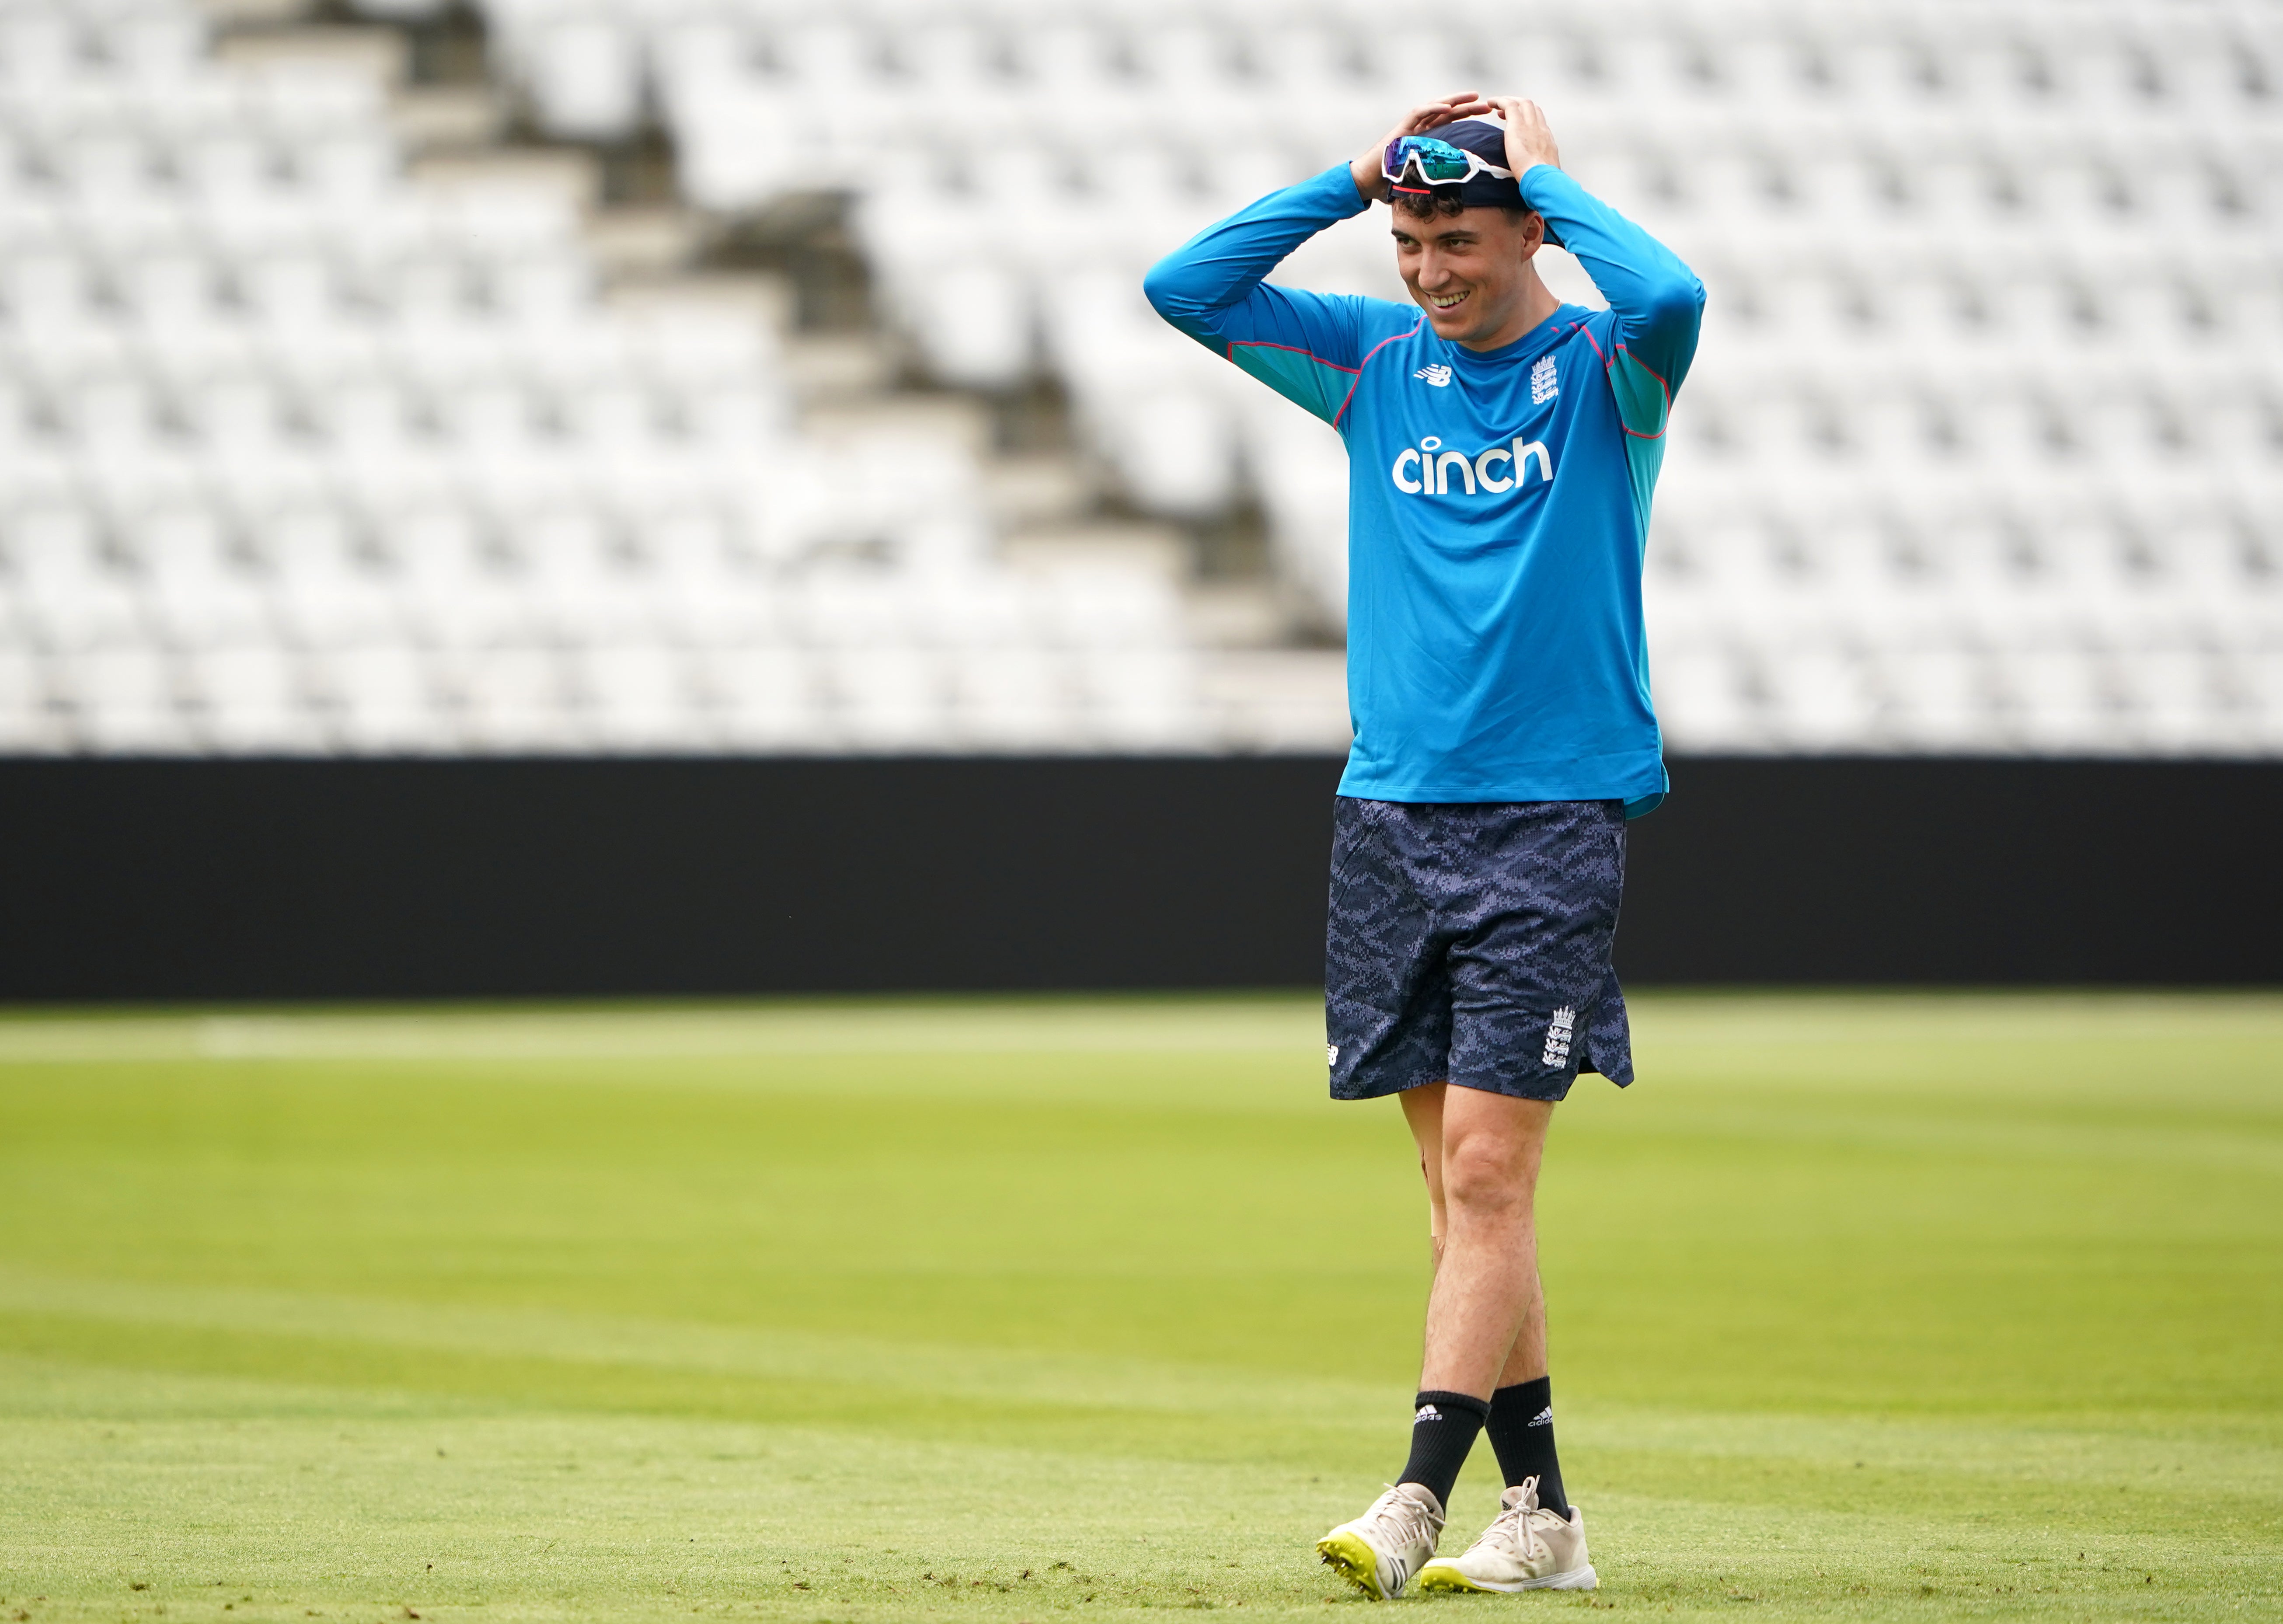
[[1491, 1149], [1485, 1177]]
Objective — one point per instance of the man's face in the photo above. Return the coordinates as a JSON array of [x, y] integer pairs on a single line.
[[1467, 270]]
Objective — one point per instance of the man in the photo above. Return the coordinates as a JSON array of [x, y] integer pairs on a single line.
[[1502, 448]]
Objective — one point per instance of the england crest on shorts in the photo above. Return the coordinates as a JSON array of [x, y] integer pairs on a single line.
[[1558, 1037]]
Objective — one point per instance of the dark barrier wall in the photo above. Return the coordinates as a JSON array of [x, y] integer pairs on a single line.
[[309, 879], [260, 880]]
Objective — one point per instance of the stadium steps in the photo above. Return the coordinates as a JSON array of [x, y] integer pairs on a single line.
[[1058, 508], [431, 118], [1264, 679], [1050, 494], [380, 53], [634, 241]]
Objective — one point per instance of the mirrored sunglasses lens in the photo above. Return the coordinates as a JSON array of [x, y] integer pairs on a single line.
[[1438, 161]]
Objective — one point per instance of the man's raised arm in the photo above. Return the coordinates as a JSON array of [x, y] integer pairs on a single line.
[[1305, 346], [1658, 301], [1210, 286], [1302, 345]]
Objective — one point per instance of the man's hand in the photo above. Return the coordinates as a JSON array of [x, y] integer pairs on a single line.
[[1529, 138], [1371, 184]]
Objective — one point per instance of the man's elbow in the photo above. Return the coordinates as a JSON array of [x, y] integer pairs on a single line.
[[1170, 289], [1677, 301], [1162, 287]]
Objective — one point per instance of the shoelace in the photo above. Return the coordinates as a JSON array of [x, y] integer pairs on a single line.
[[1515, 1521], [1404, 1518]]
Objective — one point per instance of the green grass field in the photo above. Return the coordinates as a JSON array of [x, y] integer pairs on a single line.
[[844, 1313]]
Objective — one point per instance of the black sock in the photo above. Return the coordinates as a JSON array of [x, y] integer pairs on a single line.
[[1522, 1431], [1442, 1431]]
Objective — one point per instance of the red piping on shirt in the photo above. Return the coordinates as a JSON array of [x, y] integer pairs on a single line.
[[1229, 353], [1366, 361], [1665, 416]]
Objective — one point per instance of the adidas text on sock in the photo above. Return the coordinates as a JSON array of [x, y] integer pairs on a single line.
[[1521, 1431], [1444, 1426]]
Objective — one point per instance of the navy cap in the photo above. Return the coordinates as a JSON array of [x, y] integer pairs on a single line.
[[1485, 138]]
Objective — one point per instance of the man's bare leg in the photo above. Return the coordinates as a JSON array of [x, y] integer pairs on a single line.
[[1520, 1425], [1479, 1153], [1423, 1114]]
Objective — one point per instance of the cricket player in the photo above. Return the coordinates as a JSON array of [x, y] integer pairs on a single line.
[[1502, 448]]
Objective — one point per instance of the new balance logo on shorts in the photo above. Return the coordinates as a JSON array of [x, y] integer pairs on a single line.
[[1557, 1037]]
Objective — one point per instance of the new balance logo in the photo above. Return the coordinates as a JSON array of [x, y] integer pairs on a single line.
[[1439, 376], [1331, 1054], [1557, 1050], [1544, 384], [1427, 1412], [1543, 1418]]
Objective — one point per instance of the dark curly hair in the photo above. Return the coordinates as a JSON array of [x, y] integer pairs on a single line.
[[1443, 202]]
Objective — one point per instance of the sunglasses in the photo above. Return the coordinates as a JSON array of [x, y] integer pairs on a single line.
[[1439, 163]]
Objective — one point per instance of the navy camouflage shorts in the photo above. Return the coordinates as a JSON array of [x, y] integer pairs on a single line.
[[1470, 943]]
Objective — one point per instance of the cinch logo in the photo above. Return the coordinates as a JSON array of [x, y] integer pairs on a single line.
[[1425, 469]]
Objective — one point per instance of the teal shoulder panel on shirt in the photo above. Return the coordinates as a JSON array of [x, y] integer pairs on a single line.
[[1643, 401], [1644, 407], [1308, 380]]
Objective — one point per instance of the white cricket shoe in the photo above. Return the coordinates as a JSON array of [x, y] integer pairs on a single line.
[[1527, 1548], [1380, 1550]]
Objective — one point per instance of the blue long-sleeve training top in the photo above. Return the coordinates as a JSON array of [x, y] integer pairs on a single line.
[[1498, 500]]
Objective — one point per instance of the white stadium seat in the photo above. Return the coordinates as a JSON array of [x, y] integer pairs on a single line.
[[254, 699], [29, 723], [768, 698], [127, 700], [642, 695], [384, 699]]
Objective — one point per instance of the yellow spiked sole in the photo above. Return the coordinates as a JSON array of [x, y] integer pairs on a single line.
[[1438, 1576], [1349, 1557], [1443, 1577]]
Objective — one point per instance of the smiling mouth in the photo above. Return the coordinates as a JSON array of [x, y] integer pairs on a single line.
[[1449, 302]]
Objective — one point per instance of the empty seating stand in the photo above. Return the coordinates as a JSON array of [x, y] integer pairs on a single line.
[[299, 457], [1982, 449]]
